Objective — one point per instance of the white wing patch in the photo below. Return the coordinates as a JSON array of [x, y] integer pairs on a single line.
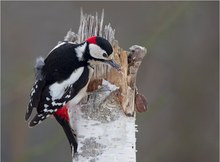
[[58, 89]]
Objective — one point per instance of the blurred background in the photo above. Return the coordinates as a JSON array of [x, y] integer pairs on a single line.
[[179, 76]]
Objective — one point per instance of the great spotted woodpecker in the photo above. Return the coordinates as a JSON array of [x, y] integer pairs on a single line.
[[63, 77]]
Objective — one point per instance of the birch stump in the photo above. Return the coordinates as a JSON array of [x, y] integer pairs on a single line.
[[104, 121]]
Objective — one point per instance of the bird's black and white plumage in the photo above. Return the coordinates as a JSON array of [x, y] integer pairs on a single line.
[[63, 77]]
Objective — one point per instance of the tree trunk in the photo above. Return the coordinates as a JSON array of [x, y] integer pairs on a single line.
[[104, 121]]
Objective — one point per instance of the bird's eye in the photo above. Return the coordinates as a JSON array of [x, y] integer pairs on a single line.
[[105, 55]]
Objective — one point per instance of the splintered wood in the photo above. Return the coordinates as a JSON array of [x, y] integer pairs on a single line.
[[125, 80]]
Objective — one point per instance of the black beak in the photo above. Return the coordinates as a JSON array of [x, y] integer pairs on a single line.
[[113, 64]]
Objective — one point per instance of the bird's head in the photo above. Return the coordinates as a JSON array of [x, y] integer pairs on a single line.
[[100, 50]]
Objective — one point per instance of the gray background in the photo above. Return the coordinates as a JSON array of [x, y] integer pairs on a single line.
[[179, 75]]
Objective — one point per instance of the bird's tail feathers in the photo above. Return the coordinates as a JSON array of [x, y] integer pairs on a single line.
[[70, 133]]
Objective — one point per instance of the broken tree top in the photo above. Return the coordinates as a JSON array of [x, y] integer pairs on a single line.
[[129, 60]]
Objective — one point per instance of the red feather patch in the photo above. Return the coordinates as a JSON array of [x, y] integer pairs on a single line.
[[92, 40], [63, 113]]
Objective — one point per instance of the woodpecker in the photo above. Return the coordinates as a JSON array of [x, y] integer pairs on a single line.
[[62, 78]]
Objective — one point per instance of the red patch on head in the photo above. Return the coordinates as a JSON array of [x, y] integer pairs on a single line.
[[92, 40], [63, 113]]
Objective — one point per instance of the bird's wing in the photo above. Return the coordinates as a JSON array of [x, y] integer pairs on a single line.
[[35, 96], [37, 89], [47, 106]]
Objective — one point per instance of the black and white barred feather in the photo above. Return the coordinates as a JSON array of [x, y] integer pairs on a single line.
[[59, 78]]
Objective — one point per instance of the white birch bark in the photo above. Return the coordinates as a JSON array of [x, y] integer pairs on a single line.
[[104, 121]]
